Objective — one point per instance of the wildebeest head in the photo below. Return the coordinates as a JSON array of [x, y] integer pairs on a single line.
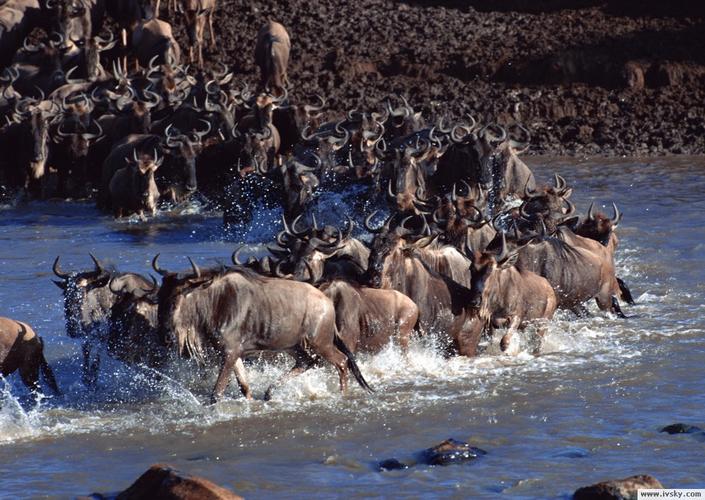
[[309, 249], [184, 149], [83, 298], [483, 265], [39, 125], [132, 335], [387, 245], [79, 140], [599, 227], [143, 169], [549, 204], [93, 47], [299, 184], [174, 288]]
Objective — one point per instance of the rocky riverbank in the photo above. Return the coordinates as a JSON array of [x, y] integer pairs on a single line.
[[596, 78]]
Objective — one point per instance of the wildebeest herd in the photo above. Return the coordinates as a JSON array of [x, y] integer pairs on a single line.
[[469, 242]]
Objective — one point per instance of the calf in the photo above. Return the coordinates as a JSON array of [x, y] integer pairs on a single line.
[[197, 12]]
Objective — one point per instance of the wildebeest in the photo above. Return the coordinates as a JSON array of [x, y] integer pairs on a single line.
[[197, 13], [133, 188], [577, 274], [28, 138], [367, 318], [437, 280], [506, 296], [272, 57], [17, 18], [154, 38], [238, 311], [87, 305], [132, 335], [23, 350]]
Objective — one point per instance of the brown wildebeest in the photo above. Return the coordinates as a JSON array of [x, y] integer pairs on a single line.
[[197, 12], [506, 296], [154, 38], [367, 318], [577, 274], [237, 311], [437, 280], [133, 188], [599, 227], [22, 349], [272, 57]]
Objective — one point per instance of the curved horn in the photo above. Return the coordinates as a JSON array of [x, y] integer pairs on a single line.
[[368, 220], [235, 257], [196, 270], [157, 269], [502, 256], [617, 214], [591, 212], [98, 266], [57, 270], [110, 286]]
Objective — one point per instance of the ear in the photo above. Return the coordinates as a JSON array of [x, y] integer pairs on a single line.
[[417, 116], [565, 194], [508, 261], [60, 284], [102, 281]]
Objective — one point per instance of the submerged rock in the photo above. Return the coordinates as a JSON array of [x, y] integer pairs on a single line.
[[448, 452], [617, 489], [163, 481], [391, 464], [680, 428]]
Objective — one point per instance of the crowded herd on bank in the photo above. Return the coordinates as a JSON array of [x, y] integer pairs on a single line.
[[99, 103]]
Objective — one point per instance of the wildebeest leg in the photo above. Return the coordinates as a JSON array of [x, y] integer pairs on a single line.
[[616, 309], [538, 339], [581, 311], [90, 367], [229, 360], [626, 292], [210, 28], [124, 46], [303, 361], [506, 343], [469, 338], [29, 370], [407, 321], [47, 371], [242, 379]]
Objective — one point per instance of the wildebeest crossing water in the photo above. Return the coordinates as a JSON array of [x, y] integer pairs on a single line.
[[587, 408]]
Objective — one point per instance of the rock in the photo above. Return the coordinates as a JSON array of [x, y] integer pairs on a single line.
[[618, 489], [680, 428], [163, 481], [391, 464], [450, 452]]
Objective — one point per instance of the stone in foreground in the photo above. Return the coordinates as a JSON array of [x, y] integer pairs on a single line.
[[163, 481], [618, 489]]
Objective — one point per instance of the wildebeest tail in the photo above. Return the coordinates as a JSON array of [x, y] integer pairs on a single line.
[[626, 292], [351, 362], [47, 371]]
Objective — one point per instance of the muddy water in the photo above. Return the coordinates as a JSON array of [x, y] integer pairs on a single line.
[[587, 409]]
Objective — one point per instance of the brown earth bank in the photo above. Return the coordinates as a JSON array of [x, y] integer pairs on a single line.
[[587, 77]]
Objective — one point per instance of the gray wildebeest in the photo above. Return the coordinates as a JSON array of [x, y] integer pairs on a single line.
[[197, 13], [237, 311], [88, 301], [272, 57], [133, 189], [22, 349]]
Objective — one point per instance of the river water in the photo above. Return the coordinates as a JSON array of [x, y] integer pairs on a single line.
[[588, 408]]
